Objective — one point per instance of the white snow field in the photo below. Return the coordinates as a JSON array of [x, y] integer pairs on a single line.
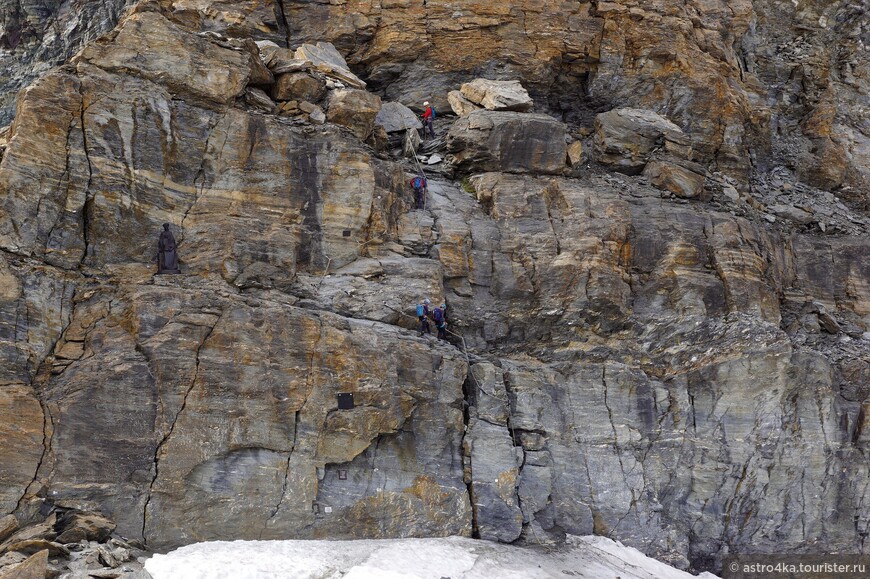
[[454, 557]]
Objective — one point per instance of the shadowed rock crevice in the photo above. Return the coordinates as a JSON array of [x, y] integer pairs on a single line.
[[172, 424], [47, 430], [287, 470], [282, 18], [310, 386]]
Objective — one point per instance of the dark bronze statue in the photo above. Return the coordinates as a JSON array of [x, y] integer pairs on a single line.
[[167, 257]]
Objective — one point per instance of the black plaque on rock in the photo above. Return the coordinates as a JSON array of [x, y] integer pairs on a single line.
[[345, 400]]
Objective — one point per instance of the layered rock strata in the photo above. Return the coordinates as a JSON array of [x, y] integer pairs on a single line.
[[687, 375], [755, 83], [35, 36]]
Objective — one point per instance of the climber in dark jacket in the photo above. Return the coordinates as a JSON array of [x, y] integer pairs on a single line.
[[419, 185], [439, 315]]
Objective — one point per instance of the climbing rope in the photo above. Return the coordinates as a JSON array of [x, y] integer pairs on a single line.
[[325, 271], [381, 236], [477, 384], [510, 413], [460, 336], [420, 171]]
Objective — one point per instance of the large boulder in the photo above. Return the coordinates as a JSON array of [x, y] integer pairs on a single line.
[[354, 109], [280, 60], [625, 138], [497, 95], [76, 526], [185, 63], [324, 57], [395, 117], [683, 179], [35, 567], [575, 153], [299, 86], [508, 141], [258, 98], [461, 105]]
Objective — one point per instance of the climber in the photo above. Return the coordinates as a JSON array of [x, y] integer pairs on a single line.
[[428, 118], [423, 314], [439, 316], [419, 185]]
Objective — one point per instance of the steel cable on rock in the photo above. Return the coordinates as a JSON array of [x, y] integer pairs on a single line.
[[510, 413]]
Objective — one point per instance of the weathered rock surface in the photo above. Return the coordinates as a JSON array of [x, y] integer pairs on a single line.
[[497, 95], [35, 36], [538, 245], [298, 86], [34, 567], [395, 117], [688, 375], [22, 429], [8, 525], [507, 141], [492, 459], [704, 65], [325, 58], [354, 109], [461, 105], [257, 20], [181, 61], [625, 138]]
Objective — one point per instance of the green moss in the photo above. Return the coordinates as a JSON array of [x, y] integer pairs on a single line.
[[467, 186]]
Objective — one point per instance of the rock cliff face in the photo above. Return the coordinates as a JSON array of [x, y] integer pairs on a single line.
[[35, 36], [757, 83], [678, 359]]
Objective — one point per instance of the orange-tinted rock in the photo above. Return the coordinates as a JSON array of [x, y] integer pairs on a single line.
[[643, 361], [180, 60], [35, 567], [508, 141], [354, 109], [298, 86], [679, 180], [21, 427]]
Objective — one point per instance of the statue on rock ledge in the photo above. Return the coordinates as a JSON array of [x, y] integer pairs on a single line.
[[167, 257]]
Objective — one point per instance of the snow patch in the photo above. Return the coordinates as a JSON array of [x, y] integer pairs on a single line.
[[454, 557]]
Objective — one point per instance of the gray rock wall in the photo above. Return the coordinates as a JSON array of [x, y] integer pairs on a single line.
[[687, 376], [36, 36]]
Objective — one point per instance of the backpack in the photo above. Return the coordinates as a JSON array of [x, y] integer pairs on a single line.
[[433, 113], [418, 183], [438, 316], [420, 311]]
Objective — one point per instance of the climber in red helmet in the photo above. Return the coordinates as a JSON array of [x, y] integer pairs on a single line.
[[428, 118]]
